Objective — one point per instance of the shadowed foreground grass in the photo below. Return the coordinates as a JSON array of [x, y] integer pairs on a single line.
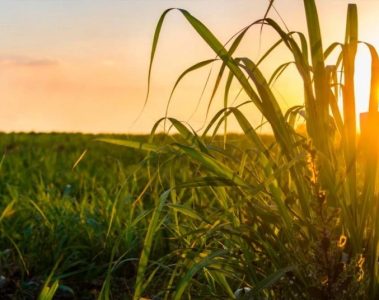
[[79, 221], [75, 221]]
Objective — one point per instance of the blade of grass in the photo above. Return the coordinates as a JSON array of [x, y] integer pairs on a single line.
[[148, 242]]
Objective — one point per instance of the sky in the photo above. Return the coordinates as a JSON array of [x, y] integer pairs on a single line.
[[81, 65]]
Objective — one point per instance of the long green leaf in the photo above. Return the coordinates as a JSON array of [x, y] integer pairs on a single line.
[[148, 242], [131, 144]]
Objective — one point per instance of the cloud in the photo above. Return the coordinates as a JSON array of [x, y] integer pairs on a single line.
[[26, 61]]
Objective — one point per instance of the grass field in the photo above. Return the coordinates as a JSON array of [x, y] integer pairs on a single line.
[[78, 221], [54, 214], [82, 225]]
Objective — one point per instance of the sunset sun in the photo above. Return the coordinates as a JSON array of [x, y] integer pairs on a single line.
[[362, 81]]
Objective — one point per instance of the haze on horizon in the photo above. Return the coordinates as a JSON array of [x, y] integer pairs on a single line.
[[81, 66]]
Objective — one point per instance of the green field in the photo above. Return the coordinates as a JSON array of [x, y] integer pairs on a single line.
[[83, 224], [53, 213], [79, 221]]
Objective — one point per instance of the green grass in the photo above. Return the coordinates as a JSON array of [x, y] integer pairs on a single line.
[[77, 229], [79, 219]]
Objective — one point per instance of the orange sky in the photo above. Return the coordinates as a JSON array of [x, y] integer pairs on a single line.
[[82, 65]]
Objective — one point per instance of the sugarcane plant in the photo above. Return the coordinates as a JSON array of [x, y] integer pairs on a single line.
[[295, 216]]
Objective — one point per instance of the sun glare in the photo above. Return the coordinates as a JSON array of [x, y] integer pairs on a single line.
[[362, 82]]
